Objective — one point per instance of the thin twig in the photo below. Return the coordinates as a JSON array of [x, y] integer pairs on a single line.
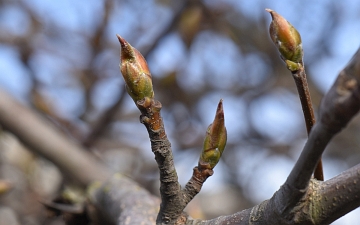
[[288, 41], [313, 149], [194, 185], [308, 111]]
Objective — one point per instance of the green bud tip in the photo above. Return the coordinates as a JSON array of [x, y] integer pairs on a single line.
[[215, 139], [286, 38], [135, 71]]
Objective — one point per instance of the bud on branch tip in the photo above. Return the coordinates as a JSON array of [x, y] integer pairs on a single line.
[[215, 139], [286, 38], [135, 71]]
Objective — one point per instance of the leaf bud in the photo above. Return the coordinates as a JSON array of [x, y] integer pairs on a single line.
[[215, 139], [286, 38], [135, 71]]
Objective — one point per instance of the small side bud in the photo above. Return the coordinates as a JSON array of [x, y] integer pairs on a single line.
[[286, 38], [215, 139], [135, 71]]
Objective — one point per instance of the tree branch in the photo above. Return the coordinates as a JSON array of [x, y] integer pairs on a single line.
[[318, 203], [337, 108], [41, 137], [161, 147], [302, 200], [174, 199], [288, 41], [123, 202], [333, 196], [321, 204], [117, 197]]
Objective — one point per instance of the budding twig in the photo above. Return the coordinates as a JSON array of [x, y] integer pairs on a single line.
[[308, 111], [139, 86], [214, 145], [288, 41], [215, 139]]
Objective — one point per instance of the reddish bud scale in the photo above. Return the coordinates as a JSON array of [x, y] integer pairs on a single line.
[[135, 72], [286, 38]]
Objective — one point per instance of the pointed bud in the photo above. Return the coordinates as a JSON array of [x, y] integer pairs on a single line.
[[215, 140], [135, 71], [286, 38]]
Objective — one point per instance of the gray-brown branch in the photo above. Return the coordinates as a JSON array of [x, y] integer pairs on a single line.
[[42, 138], [337, 108], [321, 204], [173, 198]]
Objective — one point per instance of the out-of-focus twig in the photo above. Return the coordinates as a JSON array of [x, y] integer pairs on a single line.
[[43, 139], [169, 27], [103, 121]]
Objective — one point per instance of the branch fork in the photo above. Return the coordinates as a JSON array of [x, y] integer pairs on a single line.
[[139, 86]]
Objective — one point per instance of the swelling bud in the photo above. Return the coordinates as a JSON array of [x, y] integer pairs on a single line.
[[215, 139], [135, 71], [286, 38]]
